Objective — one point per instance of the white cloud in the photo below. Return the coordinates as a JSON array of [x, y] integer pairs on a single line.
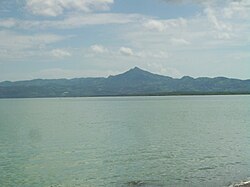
[[126, 51], [164, 25], [155, 25], [19, 46], [223, 35], [73, 21], [219, 25], [57, 7], [13, 41], [60, 53], [7, 23], [98, 49], [152, 54], [204, 32], [202, 2], [161, 69], [179, 41], [237, 8]]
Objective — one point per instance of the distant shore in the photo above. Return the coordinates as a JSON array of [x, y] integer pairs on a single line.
[[129, 95], [134, 82]]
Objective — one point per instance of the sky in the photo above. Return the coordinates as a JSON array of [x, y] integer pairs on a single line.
[[95, 38]]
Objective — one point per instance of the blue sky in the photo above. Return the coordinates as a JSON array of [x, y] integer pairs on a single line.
[[90, 38]]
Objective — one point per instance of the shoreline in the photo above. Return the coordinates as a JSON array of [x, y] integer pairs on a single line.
[[242, 184], [142, 95]]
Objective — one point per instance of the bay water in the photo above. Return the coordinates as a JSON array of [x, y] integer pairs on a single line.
[[125, 141]]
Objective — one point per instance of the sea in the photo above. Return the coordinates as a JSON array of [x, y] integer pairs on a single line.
[[172, 141]]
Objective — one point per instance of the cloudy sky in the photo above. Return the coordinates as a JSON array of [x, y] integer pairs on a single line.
[[88, 38]]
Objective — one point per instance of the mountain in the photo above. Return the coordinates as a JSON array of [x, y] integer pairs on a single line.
[[133, 82]]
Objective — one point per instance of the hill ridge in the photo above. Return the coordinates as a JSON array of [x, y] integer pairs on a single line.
[[132, 82]]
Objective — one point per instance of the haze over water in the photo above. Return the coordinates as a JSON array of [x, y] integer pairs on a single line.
[[125, 141]]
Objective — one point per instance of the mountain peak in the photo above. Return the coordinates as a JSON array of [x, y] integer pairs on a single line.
[[138, 75], [131, 72], [135, 69]]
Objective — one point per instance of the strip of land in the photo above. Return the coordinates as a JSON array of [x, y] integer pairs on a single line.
[[135, 82]]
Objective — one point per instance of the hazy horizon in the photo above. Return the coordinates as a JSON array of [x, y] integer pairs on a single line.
[[116, 75]]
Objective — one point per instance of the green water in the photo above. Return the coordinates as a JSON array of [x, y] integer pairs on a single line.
[[127, 141]]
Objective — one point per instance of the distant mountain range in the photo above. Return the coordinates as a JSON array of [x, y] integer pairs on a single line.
[[133, 82]]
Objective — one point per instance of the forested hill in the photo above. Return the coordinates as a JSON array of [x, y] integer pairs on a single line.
[[133, 82]]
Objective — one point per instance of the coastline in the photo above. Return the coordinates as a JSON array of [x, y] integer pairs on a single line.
[[242, 184], [131, 95]]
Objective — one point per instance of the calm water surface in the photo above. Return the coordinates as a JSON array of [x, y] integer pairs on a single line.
[[128, 141]]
